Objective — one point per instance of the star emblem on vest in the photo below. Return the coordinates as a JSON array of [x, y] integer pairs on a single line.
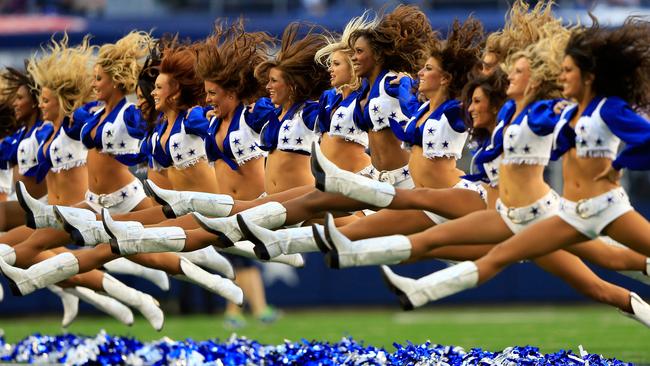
[[122, 144], [526, 149], [431, 130], [375, 109], [393, 115], [58, 159], [109, 145], [445, 144], [380, 120], [109, 133], [192, 152], [56, 149], [337, 128], [599, 141], [286, 127], [430, 145], [240, 152], [285, 140], [124, 194], [179, 156], [351, 130], [237, 142], [493, 171], [252, 147], [175, 145], [511, 149], [340, 115], [69, 156], [299, 141]]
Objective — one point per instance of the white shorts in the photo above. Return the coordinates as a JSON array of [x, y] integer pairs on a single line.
[[463, 184], [518, 218], [398, 178], [590, 216], [121, 201]]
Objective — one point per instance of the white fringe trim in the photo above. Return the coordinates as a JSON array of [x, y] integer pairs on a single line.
[[68, 166], [121, 152], [596, 154], [190, 163], [525, 161], [245, 160]]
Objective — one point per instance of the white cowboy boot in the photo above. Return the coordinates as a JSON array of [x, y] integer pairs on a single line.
[[179, 203], [70, 304], [211, 282], [84, 231], [209, 258], [269, 215], [367, 252], [126, 240], [50, 271], [640, 308], [37, 214], [415, 293], [105, 304], [7, 254], [330, 178], [144, 303], [246, 249], [270, 244], [127, 267]]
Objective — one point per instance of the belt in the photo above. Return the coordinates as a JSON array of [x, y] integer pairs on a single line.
[[588, 207], [522, 215]]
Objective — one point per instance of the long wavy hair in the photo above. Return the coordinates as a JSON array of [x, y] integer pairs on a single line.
[[178, 61], [618, 58], [66, 71], [306, 78], [122, 60], [400, 39], [494, 87], [229, 57], [13, 79]]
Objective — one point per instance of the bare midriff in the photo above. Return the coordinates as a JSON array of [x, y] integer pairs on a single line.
[[347, 155]]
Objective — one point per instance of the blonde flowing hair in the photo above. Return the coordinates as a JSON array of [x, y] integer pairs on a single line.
[[122, 60], [66, 71]]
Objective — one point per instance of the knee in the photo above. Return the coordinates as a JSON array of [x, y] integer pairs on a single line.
[[596, 290], [313, 201]]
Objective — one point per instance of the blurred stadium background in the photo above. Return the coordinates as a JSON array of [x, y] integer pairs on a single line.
[[522, 306]]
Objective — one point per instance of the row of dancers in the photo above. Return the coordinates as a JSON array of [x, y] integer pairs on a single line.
[[247, 151]]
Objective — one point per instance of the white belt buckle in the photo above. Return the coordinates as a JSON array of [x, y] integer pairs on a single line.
[[386, 177], [579, 212], [511, 215], [101, 199]]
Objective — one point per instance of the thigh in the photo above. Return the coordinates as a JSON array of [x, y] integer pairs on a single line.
[[12, 215], [480, 227], [387, 222], [632, 230], [450, 203], [275, 197], [456, 252], [186, 222], [148, 216], [536, 240], [16, 235]]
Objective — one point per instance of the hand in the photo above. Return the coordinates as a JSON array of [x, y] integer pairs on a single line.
[[559, 106], [610, 174], [211, 113], [399, 77]]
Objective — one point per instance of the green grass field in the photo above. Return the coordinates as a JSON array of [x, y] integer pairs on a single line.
[[598, 329]]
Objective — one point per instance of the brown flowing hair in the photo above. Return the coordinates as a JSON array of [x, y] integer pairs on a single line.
[[306, 78], [178, 61], [229, 57]]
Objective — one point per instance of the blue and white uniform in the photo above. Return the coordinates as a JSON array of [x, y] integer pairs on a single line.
[[241, 142], [65, 151], [389, 103], [442, 134], [119, 134], [186, 144], [525, 139], [341, 117], [294, 133], [598, 133]]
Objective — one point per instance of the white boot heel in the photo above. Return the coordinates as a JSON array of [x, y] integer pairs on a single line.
[[179, 203], [131, 238], [211, 282], [330, 178]]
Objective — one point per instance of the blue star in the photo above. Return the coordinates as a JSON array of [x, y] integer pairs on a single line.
[[405, 172], [351, 130], [299, 141], [34, 160], [237, 142], [122, 144], [58, 159], [431, 130], [175, 145], [340, 115], [548, 203], [69, 156], [526, 149], [511, 149], [534, 211], [56, 149], [599, 141], [285, 140], [445, 144], [610, 199], [375, 109], [393, 115], [22, 161], [429, 145], [511, 136], [179, 156], [109, 145], [337, 128], [252, 147], [240, 152], [124, 194], [493, 171], [109, 133], [380, 120], [583, 142], [286, 127], [582, 128], [192, 152], [22, 151], [135, 188], [465, 185]]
